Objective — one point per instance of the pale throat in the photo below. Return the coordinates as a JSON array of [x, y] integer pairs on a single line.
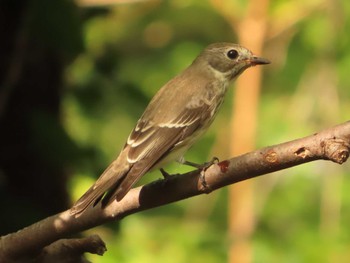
[[222, 79]]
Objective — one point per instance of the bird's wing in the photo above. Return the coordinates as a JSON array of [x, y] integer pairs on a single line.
[[149, 143], [154, 137]]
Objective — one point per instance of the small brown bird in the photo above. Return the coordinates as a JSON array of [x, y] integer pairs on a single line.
[[176, 117]]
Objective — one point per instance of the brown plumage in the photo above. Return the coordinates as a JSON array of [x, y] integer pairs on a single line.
[[176, 117]]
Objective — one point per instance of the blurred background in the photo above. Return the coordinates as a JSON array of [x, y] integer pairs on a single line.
[[76, 75]]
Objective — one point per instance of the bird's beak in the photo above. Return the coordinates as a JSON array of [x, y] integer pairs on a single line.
[[258, 61]]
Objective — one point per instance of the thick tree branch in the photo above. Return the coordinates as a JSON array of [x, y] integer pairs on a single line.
[[331, 144]]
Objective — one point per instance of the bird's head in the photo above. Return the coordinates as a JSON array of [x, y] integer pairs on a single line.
[[229, 60]]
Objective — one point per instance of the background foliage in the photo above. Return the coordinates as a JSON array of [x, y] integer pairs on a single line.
[[111, 59]]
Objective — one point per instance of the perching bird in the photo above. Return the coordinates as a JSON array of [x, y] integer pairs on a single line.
[[176, 117]]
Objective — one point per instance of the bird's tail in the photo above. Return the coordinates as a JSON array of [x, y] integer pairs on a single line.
[[108, 181]]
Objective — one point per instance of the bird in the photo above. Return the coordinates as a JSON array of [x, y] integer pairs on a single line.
[[178, 114]]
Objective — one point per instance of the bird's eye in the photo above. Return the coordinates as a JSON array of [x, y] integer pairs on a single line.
[[232, 54]]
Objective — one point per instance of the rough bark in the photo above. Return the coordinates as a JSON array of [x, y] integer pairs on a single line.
[[29, 244]]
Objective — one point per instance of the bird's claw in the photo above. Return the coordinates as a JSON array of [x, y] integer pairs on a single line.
[[204, 167], [164, 173], [202, 180]]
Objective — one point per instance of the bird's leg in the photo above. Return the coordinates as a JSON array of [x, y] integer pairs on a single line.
[[164, 173], [203, 166]]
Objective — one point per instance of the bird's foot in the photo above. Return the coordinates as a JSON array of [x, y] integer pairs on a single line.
[[203, 166], [203, 181], [164, 173], [206, 165]]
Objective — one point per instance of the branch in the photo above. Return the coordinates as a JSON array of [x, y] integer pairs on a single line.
[[331, 144]]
